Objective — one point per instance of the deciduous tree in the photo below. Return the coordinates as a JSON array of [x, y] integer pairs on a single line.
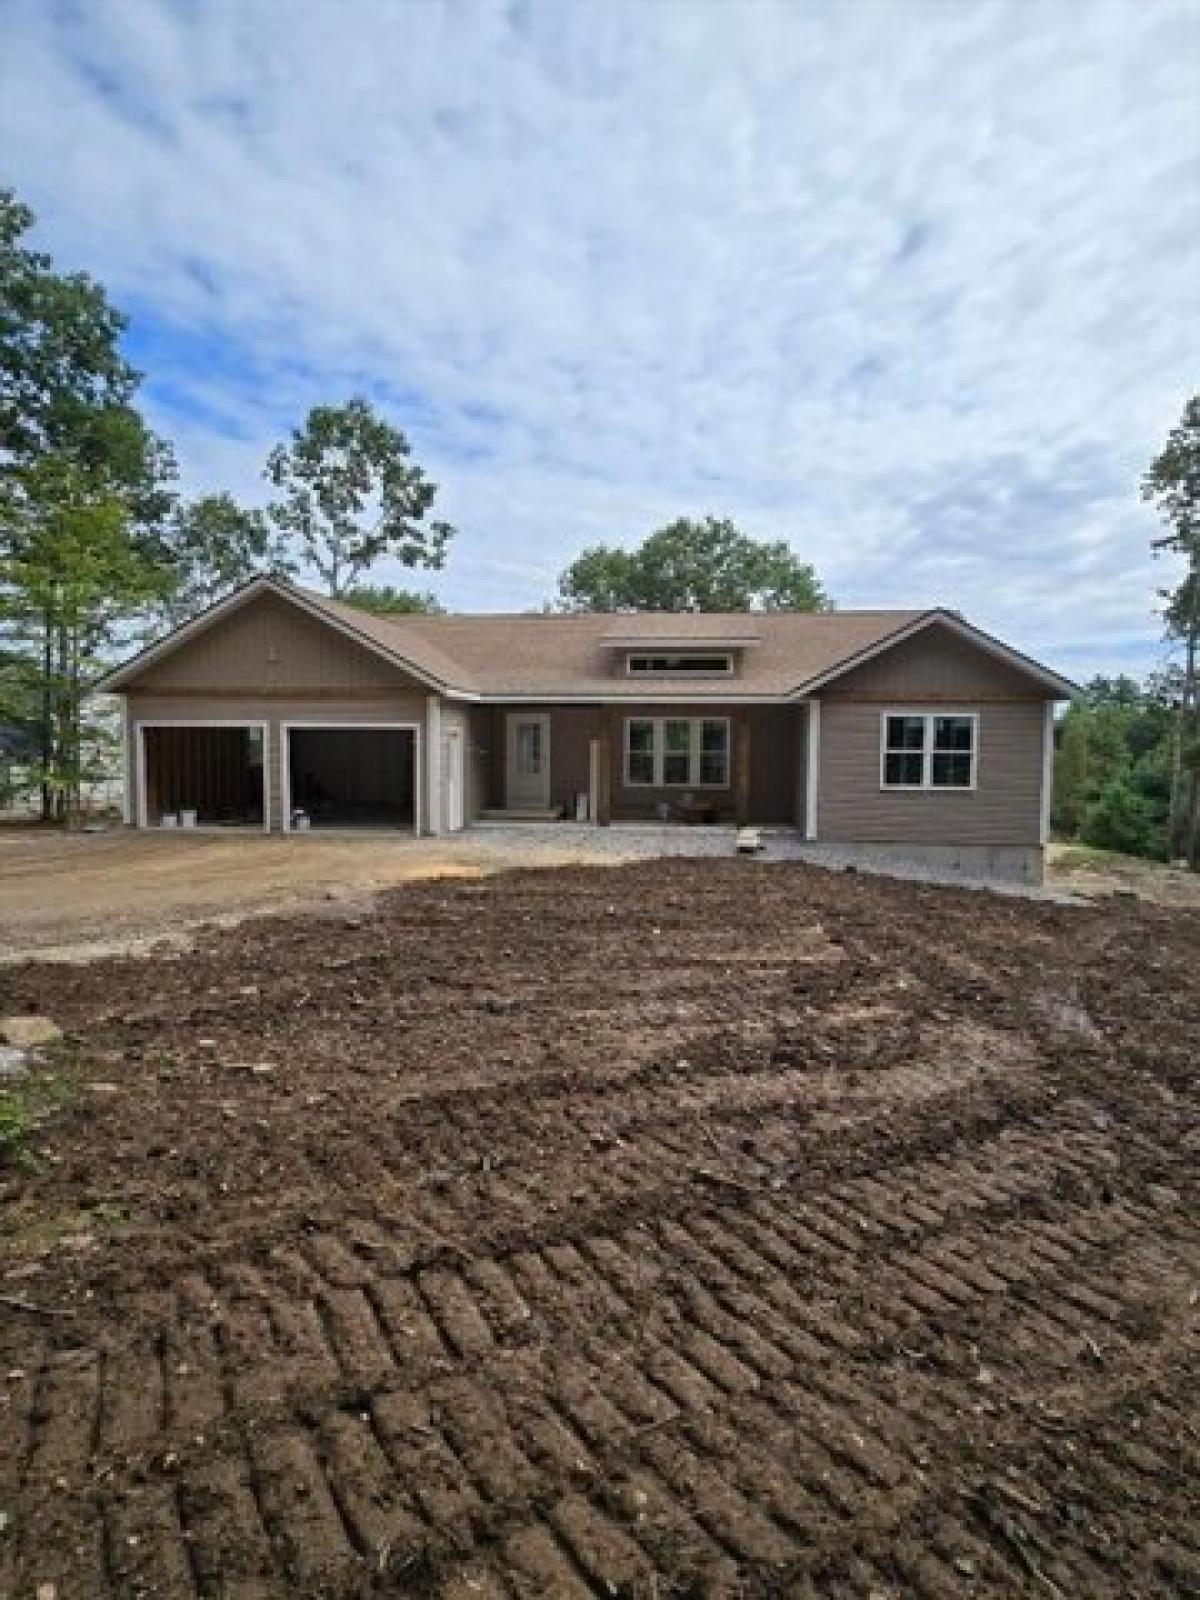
[[1173, 485], [351, 493], [212, 545], [385, 601], [84, 487], [708, 565]]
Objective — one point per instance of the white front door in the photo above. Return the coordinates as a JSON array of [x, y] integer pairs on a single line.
[[454, 781], [528, 761]]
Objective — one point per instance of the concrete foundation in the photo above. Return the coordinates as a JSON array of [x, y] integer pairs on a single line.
[[978, 862]]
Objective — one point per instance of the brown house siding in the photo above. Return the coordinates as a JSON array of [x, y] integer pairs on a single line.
[[270, 647], [934, 669], [934, 666], [1004, 807], [773, 755]]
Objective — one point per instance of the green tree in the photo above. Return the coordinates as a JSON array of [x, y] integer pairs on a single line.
[[212, 545], [71, 574], [385, 601], [83, 492], [60, 361], [1172, 484], [351, 493], [1071, 774], [692, 566], [1112, 777], [1120, 818]]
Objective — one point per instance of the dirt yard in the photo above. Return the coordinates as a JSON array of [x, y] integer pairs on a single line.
[[73, 897], [67, 894], [697, 1228]]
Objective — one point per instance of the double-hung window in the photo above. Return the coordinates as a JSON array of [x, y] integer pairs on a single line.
[[928, 749], [677, 752]]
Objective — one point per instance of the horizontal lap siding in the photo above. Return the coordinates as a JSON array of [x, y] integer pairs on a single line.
[[934, 669], [1004, 807]]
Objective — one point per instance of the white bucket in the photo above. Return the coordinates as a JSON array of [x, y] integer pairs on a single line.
[[187, 819], [168, 820]]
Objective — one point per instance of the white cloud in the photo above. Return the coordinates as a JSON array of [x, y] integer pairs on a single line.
[[913, 285]]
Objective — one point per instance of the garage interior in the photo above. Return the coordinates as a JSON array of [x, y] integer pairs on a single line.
[[216, 772], [351, 777]]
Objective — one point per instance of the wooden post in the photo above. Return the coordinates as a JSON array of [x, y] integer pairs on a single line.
[[613, 761], [600, 776], [741, 768]]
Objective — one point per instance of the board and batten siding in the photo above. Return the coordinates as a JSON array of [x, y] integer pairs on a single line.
[[270, 646], [270, 662], [934, 670]]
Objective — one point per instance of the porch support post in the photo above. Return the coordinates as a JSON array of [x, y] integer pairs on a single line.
[[612, 763], [812, 769], [432, 822], [741, 767], [599, 798]]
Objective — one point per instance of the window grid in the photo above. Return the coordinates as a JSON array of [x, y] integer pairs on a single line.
[[924, 751], [677, 752]]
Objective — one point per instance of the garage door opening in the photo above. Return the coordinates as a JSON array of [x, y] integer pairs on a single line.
[[350, 777], [204, 775]]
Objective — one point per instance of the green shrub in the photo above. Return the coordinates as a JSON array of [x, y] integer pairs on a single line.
[[1121, 818]]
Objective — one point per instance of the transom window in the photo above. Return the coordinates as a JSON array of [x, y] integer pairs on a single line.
[[677, 752], [713, 665], [928, 749]]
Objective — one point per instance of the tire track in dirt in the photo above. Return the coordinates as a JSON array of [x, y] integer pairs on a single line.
[[759, 1269]]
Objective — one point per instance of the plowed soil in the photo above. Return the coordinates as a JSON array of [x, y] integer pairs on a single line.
[[696, 1228]]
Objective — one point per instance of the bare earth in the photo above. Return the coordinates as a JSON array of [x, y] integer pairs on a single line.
[[73, 897], [73, 894], [711, 1228]]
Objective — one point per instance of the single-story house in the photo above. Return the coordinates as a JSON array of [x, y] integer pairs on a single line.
[[908, 732]]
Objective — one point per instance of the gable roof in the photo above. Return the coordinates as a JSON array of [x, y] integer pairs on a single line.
[[557, 656]]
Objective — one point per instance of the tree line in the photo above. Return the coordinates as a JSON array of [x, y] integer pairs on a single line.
[[98, 550], [1127, 766]]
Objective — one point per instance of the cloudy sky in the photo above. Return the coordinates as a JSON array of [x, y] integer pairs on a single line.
[[913, 285]]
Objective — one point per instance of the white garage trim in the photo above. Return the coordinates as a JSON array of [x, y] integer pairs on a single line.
[[433, 734], [139, 731], [285, 759]]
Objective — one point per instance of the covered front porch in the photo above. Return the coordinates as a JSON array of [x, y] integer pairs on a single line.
[[657, 763]]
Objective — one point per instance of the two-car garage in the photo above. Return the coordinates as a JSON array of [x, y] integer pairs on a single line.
[[329, 775]]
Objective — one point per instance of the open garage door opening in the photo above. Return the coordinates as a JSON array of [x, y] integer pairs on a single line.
[[203, 775], [350, 777]]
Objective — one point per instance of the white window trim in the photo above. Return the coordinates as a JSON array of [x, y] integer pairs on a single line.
[[695, 753], [285, 765], [927, 785], [678, 672], [141, 805]]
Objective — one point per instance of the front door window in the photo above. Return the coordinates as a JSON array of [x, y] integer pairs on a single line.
[[529, 750]]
